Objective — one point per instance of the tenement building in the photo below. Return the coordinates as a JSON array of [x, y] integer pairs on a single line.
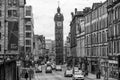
[[113, 9], [73, 43], [96, 38], [11, 36], [80, 49]]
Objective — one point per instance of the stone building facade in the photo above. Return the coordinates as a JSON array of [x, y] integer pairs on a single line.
[[96, 31], [113, 9]]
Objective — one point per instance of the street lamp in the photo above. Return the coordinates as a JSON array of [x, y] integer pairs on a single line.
[[5, 40]]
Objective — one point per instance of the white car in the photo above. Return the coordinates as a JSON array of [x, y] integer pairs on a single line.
[[78, 75], [48, 69], [68, 73], [38, 69], [53, 66], [76, 69], [58, 68]]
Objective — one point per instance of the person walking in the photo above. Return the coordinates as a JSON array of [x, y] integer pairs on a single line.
[[99, 74], [26, 75]]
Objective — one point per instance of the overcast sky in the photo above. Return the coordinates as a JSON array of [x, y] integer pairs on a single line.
[[44, 11]]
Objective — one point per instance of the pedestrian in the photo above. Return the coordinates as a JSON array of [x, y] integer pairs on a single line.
[[99, 74], [87, 72], [26, 75]]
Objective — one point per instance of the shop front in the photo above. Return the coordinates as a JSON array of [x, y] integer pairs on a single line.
[[113, 69], [10, 70], [94, 66]]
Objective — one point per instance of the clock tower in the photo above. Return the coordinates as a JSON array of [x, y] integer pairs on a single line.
[[58, 18]]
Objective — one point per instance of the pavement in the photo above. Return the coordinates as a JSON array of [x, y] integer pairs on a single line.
[[27, 79], [93, 77]]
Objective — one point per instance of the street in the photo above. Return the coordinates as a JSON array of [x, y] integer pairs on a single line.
[[55, 75]]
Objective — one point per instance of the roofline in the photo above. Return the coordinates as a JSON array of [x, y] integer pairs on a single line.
[[96, 8]]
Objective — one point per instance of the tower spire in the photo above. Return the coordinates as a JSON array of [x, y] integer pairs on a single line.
[[58, 9], [58, 3]]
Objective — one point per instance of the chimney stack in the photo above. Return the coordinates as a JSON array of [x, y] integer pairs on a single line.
[[72, 14], [75, 10]]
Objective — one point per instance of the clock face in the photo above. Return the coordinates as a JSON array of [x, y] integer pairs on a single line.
[[59, 23]]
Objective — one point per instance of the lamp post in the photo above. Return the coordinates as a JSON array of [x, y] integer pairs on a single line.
[[5, 40]]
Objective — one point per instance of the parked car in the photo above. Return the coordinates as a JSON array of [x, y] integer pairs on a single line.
[[40, 68], [37, 70], [78, 75], [68, 72], [76, 69], [58, 68], [48, 69]]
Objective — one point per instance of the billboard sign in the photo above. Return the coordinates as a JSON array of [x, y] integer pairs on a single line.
[[13, 35]]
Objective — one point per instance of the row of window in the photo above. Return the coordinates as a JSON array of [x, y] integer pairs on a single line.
[[11, 13], [113, 15], [97, 51], [114, 30], [96, 13], [101, 24], [12, 3], [95, 38], [114, 47]]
